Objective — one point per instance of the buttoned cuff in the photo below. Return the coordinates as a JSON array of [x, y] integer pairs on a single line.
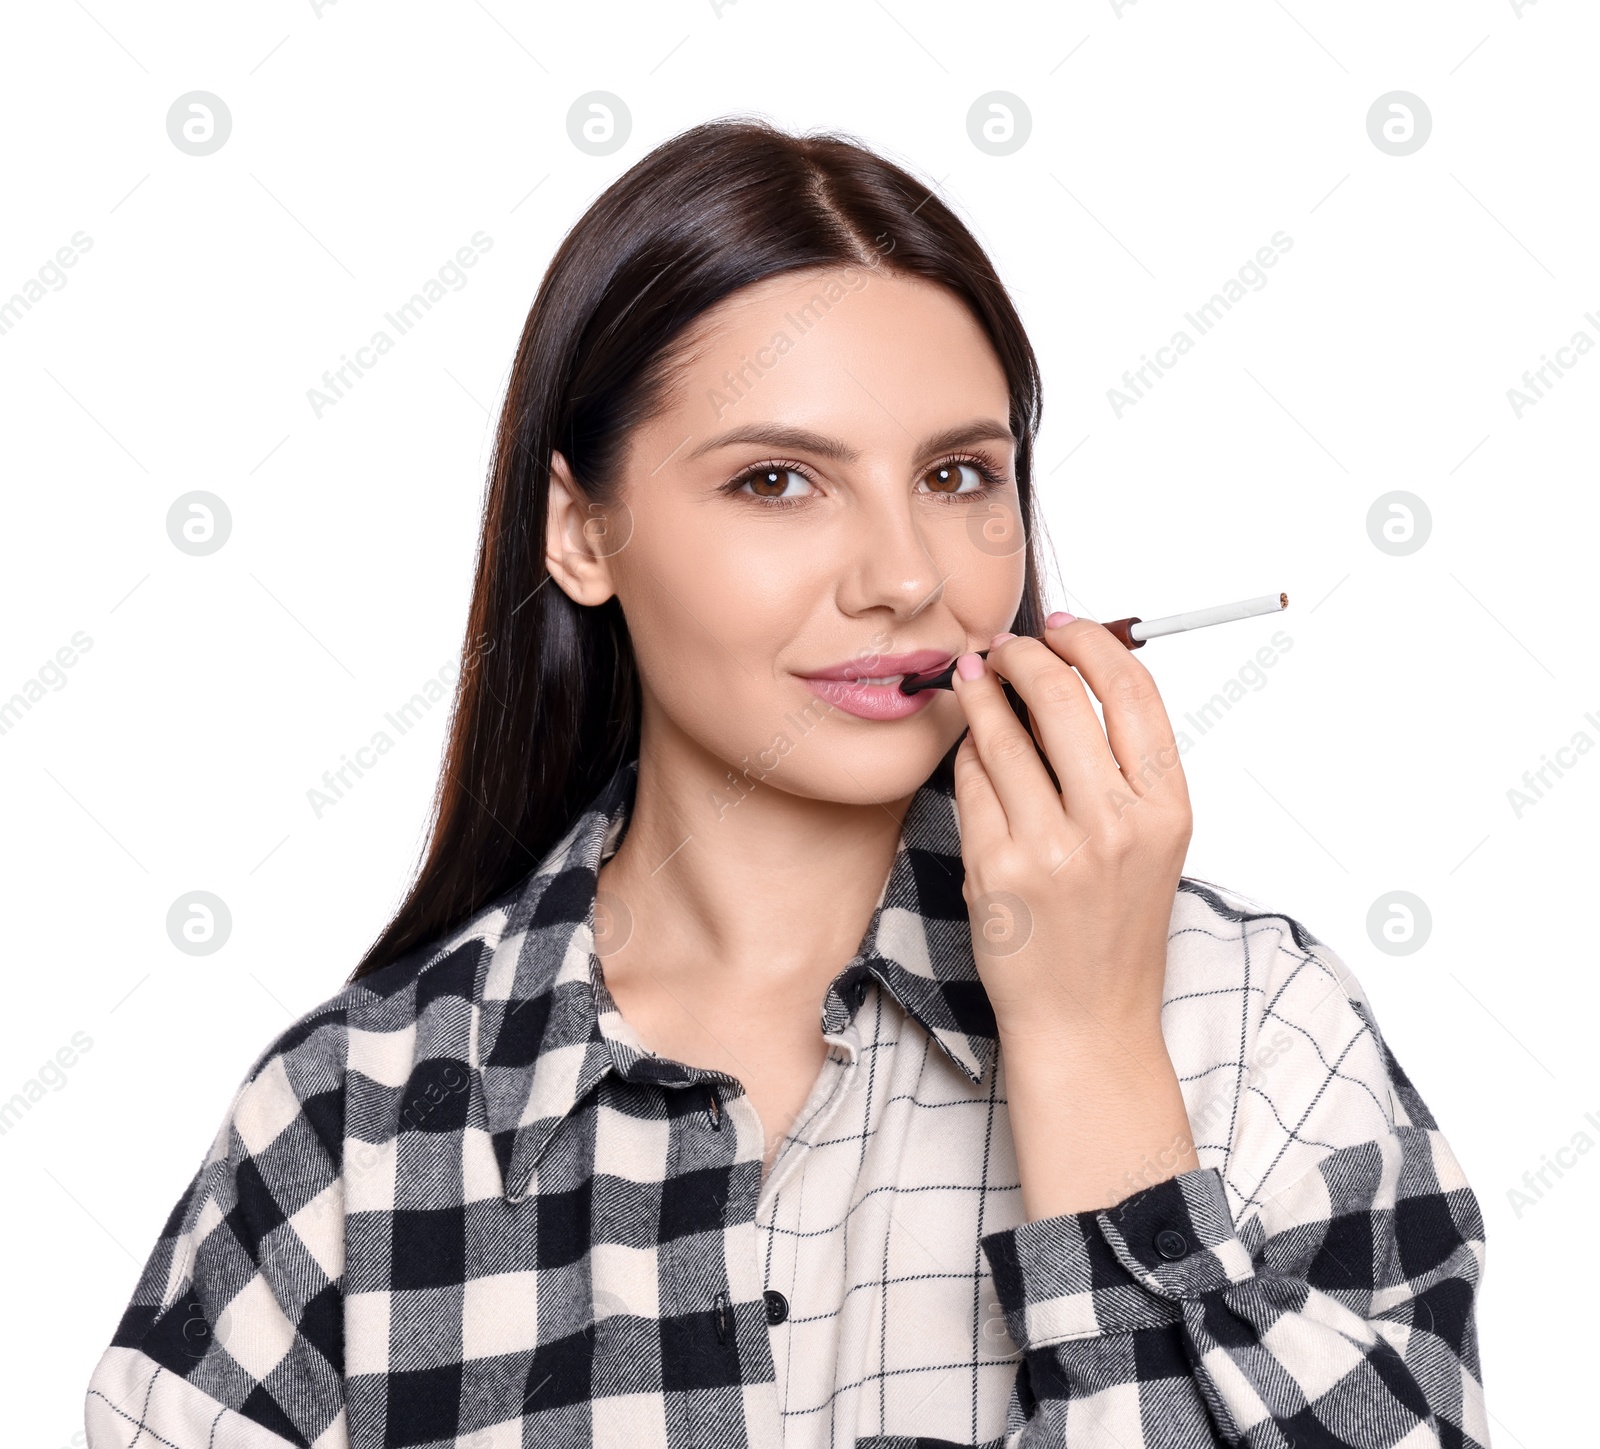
[[1122, 1268]]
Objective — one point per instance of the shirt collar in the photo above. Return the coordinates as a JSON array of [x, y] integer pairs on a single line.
[[550, 1030]]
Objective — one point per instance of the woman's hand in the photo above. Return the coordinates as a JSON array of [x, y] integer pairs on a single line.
[[1070, 895]]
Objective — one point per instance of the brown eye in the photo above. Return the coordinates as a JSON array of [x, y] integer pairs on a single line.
[[772, 482], [953, 478]]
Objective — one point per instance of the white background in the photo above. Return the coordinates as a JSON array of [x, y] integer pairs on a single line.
[[1168, 143]]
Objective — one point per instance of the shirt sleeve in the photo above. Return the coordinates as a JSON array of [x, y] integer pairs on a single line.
[[1336, 1309], [233, 1338]]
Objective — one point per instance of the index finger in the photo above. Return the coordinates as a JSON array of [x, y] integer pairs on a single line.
[[1136, 720]]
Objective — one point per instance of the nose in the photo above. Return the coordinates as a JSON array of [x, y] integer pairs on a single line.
[[888, 563]]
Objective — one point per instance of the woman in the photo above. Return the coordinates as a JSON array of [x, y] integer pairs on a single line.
[[765, 1056]]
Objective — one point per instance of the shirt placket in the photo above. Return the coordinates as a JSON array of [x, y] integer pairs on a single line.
[[726, 1132], [778, 1222], [748, 1316]]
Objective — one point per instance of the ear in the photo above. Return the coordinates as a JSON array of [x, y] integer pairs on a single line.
[[578, 539]]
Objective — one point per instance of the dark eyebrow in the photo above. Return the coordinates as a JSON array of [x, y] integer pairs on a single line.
[[983, 430], [800, 440]]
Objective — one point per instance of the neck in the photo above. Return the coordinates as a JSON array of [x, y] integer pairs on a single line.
[[738, 889]]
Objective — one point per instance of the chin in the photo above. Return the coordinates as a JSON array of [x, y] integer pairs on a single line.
[[859, 763]]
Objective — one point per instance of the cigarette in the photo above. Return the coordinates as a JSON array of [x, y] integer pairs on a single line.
[[1132, 633]]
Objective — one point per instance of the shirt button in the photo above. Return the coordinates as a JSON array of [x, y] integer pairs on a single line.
[[1170, 1243], [777, 1306]]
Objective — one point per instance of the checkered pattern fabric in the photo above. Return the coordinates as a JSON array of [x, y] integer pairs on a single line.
[[461, 1203]]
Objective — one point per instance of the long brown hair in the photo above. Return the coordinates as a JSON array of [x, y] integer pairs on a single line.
[[547, 700]]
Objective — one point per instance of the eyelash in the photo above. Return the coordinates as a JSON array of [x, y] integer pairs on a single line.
[[984, 467]]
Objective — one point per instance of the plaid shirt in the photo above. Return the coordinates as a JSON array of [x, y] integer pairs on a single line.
[[462, 1204]]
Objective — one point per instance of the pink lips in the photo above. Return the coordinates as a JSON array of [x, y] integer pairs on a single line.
[[840, 685]]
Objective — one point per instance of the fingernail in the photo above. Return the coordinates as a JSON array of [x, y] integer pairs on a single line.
[[1000, 639], [1057, 619], [969, 666]]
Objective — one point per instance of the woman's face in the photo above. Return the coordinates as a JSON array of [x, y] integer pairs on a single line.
[[829, 490]]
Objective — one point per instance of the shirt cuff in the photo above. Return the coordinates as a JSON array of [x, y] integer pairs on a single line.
[[1119, 1269], [132, 1399]]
